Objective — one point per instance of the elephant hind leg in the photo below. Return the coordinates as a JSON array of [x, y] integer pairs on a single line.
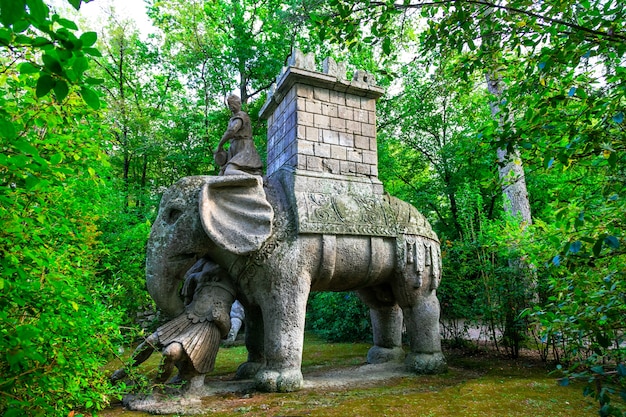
[[386, 318], [422, 324]]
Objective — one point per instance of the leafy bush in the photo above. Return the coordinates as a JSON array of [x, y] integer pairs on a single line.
[[121, 270], [583, 317], [55, 326], [339, 317]]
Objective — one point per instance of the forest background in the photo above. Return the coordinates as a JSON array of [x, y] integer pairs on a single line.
[[503, 123]]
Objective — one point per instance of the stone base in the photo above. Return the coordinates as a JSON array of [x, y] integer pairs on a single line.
[[379, 354], [170, 401], [426, 363]]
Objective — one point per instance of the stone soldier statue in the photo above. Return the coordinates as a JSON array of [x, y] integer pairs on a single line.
[[242, 156], [191, 340]]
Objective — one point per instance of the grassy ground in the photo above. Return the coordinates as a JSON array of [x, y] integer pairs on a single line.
[[477, 384]]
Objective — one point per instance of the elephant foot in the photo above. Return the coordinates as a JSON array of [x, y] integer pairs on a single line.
[[247, 370], [426, 363], [378, 354], [279, 381]]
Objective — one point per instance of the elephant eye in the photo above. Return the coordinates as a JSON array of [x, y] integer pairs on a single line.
[[172, 215]]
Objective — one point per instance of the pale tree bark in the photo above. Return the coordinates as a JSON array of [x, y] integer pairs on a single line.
[[510, 168], [522, 282]]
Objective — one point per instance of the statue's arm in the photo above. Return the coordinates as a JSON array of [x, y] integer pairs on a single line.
[[234, 125]]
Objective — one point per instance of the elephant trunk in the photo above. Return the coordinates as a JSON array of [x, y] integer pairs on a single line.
[[164, 278]]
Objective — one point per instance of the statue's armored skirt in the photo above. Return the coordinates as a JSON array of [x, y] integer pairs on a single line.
[[199, 340]]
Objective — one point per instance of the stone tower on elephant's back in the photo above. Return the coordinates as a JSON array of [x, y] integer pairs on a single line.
[[321, 146], [322, 125]]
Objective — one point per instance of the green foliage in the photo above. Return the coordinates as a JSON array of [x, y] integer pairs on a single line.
[[56, 327], [339, 317], [121, 268], [430, 128], [227, 46], [62, 56], [561, 67]]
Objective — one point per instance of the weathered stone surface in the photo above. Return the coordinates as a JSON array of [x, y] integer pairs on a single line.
[[235, 213], [319, 221], [291, 263], [242, 156], [326, 101]]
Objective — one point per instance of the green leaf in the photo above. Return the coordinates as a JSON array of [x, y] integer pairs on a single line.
[[38, 10], [7, 130], [94, 81], [45, 83], [12, 11], [19, 27], [88, 38], [80, 65], [52, 64], [574, 247], [387, 46], [612, 242], [75, 3], [67, 23], [56, 158], [597, 247], [90, 97], [61, 90], [598, 369], [93, 52], [26, 148], [28, 68]]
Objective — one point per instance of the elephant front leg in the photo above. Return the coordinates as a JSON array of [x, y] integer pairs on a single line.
[[422, 323], [254, 343], [284, 318]]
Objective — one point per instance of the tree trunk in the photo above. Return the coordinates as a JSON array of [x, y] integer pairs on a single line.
[[511, 169]]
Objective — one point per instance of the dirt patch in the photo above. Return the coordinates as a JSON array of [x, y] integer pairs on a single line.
[[192, 403]]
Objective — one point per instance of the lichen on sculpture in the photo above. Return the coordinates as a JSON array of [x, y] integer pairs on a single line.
[[274, 287]]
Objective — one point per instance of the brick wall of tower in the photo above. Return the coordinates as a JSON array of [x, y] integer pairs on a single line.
[[319, 122]]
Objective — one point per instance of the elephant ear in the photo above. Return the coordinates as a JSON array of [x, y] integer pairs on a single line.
[[235, 212]]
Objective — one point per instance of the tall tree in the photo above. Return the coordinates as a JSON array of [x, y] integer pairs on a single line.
[[436, 118], [559, 69], [225, 46]]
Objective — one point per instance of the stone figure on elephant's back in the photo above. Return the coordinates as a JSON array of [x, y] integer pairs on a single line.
[[279, 245]]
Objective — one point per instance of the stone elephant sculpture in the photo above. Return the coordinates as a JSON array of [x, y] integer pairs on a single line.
[[254, 232]]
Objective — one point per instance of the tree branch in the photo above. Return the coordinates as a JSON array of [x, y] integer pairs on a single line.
[[608, 34]]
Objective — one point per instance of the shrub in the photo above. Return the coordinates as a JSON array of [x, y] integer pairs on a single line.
[[339, 317]]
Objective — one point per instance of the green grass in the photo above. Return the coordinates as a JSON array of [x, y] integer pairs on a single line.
[[480, 385]]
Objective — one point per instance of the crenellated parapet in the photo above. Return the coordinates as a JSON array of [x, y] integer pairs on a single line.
[[319, 122]]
